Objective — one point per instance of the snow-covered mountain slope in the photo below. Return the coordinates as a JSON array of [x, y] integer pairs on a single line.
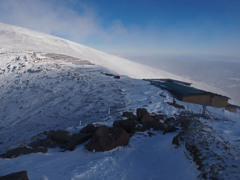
[[19, 39], [56, 86], [46, 91], [41, 91]]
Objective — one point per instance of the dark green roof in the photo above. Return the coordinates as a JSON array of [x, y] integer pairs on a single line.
[[181, 90]]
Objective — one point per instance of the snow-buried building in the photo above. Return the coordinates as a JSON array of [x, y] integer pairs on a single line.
[[184, 92]]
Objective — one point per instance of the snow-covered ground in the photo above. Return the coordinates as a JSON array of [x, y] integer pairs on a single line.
[[17, 38], [49, 83], [42, 90], [40, 93], [144, 158]]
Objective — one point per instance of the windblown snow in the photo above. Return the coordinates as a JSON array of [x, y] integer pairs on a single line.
[[23, 39], [47, 83], [17, 38]]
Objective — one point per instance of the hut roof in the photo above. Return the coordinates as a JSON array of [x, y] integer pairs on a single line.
[[181, 90]]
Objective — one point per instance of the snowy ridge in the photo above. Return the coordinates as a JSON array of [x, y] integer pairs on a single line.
[[20, 39]]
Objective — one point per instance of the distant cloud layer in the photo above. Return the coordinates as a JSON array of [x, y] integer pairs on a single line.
[[49, 18], [57, 19], [85, 25]]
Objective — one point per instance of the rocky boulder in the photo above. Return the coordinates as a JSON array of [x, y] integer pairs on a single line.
[[89, 129], [77, 139], [129, 125], [105, 139], [57, 138], [170, 121], [155, 125], [22, 151], [129, 115], [170, 129], [143, 115], [21, 175], [158, 117]]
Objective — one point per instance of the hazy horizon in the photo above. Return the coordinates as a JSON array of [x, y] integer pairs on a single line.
[[221, 73]]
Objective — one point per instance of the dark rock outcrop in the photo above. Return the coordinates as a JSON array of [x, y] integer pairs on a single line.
[[105, 139], [22, 151], [158, 117], [140, 128], [117, 77], [170, 129], [77, 139], [149, 122], [129, 125], [21, 175], [178, 139], [89, 129], [170, 120], [155, 125], [143, 115], [174, 104], [129, 115], [59, 136]]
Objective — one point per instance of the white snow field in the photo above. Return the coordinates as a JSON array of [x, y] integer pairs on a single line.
[[47, 83], [18, 38]]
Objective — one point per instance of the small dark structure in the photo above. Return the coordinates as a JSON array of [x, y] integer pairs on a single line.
[[111, 75], [232, 108], [184, 92]]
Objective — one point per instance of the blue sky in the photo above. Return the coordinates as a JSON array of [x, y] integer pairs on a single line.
[[138, 27]]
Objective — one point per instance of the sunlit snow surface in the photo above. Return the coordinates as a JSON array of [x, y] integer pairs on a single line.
[[47, 93], [144, 158], [17, 38], [42, 89], [41, 93]]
